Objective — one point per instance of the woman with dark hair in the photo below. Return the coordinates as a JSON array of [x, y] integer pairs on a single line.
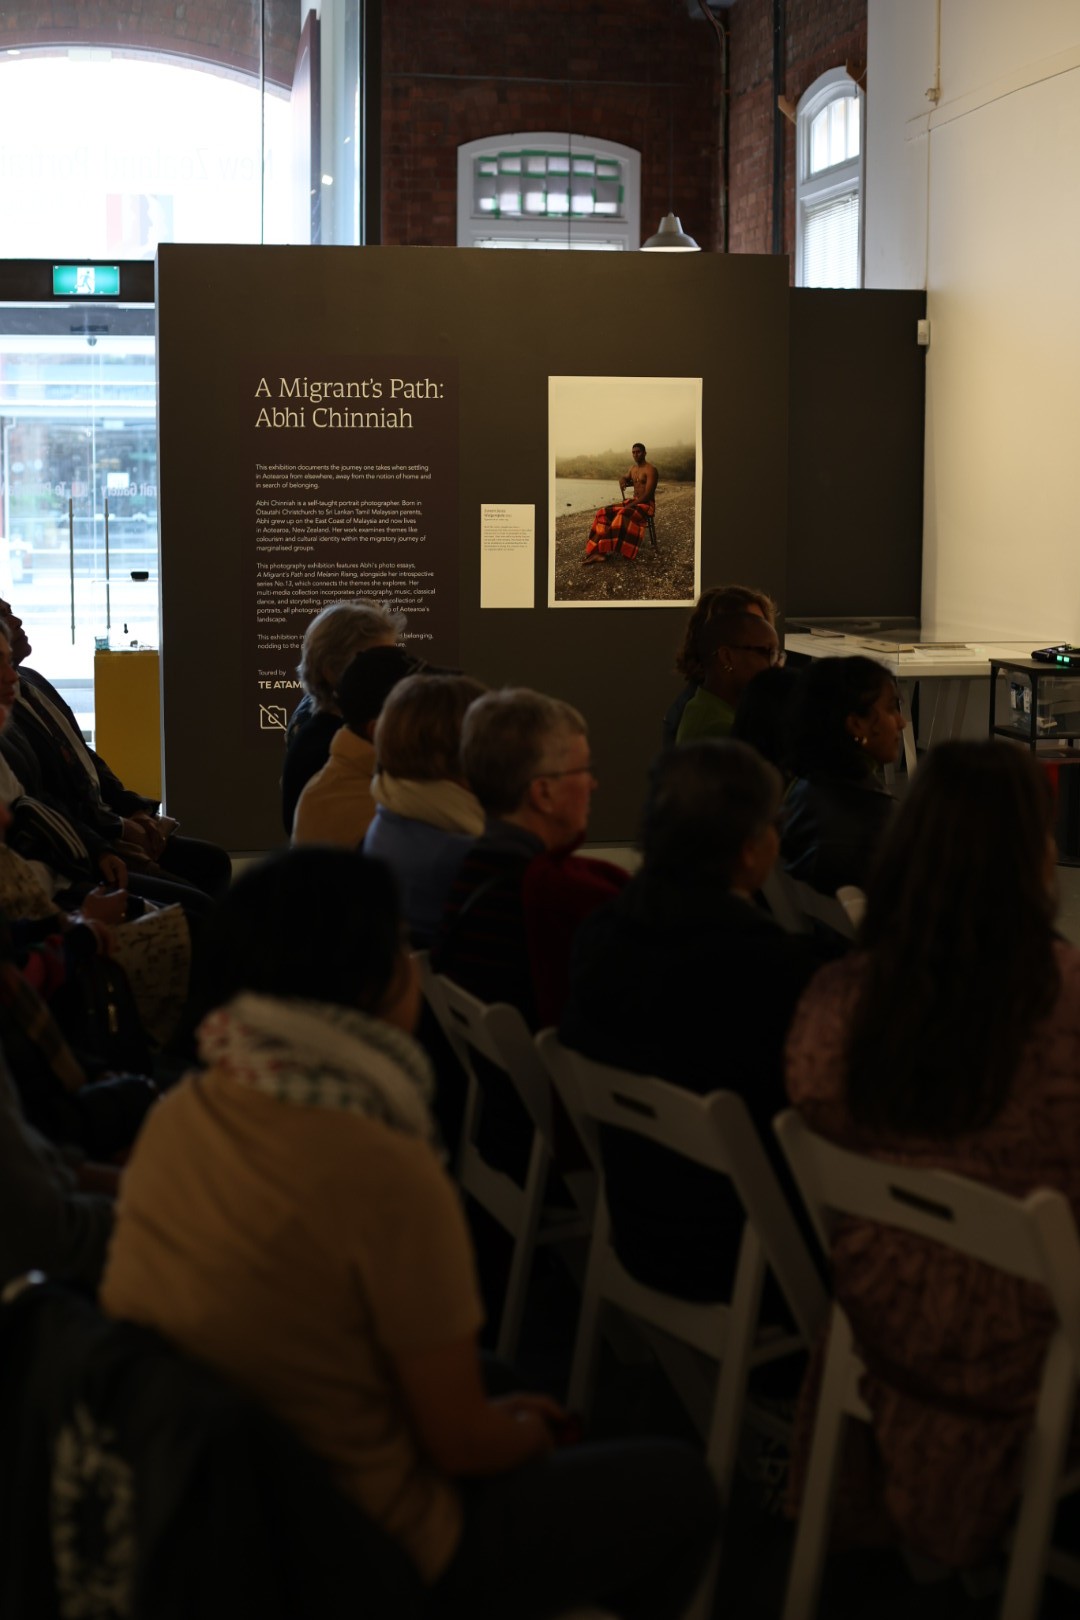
[[286, 1217], [763, 715], [845, 725], [708, 991], [950, 1039], [690, 662]]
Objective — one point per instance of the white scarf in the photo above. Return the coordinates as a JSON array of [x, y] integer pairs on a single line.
[[444, 804], [316, 1055]]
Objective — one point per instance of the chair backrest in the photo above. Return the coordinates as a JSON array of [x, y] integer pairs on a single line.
[[796, 906], [500, 1034], [1034, 1237], [716, 1132]]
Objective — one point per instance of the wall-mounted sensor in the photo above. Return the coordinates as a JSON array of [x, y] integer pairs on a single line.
[[922, 334]]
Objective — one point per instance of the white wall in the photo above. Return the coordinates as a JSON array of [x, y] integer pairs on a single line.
[[984, 187]]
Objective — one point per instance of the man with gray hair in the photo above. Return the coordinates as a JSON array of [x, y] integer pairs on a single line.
[[521, 891]]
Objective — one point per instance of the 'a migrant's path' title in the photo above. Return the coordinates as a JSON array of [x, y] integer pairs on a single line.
[[310, 397]]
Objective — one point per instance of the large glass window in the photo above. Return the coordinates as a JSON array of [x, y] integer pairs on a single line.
[[78, 496], [119, 164], [243, 130]]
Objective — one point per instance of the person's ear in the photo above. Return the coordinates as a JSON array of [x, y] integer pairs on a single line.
[[538, 794], [757, 858], [855, 726]]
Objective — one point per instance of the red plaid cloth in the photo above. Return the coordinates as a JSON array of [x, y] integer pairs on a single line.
[[619, 528]]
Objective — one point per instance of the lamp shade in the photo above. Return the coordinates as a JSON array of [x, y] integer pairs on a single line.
[[671, 237]]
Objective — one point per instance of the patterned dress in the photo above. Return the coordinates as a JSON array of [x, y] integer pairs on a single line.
[[953, 1348]]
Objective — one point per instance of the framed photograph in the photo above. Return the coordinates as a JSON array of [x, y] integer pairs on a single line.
[[624, 491]]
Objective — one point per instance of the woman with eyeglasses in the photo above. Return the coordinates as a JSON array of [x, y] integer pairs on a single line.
[[845, 727], [734, 648], [690, 662]]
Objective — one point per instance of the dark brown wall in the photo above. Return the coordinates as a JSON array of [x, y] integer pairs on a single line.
[[620, 69], [857, 389], [819, 35], [224, 32]]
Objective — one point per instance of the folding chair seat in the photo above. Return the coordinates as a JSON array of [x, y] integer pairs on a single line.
[[1033, 1238], [498, 1035]]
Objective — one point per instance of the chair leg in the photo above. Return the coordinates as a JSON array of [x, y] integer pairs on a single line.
[[723, 1440], [587, 1343], [815, 1517], [517, 1286], [1042, 1475]]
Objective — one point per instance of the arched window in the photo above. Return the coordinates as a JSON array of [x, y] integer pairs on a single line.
[[829, 187], [545, 190]]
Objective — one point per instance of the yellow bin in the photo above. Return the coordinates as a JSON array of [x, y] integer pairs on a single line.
[[127, 704]]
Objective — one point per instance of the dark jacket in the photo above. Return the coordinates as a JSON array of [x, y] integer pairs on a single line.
[[832, 829], [44, 1222], [697, 987], [126, 1469]]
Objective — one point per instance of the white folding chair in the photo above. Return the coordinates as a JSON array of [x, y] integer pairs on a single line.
[[796, 906], [716, 1132], [499, 1034], [1034, 1238]]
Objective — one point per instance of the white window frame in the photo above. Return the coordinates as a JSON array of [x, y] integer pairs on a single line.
[[841, 179], [475, 229]]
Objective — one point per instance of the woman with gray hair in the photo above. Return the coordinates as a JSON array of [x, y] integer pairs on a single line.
[[331, 642]]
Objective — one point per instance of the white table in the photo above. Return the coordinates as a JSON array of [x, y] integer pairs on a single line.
[[953, 669]]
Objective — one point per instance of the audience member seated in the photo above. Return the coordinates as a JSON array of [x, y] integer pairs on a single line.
[[153, 951], [521, 892], [950, 1039], [331, 642], [690, 663], [336, 806], [846, 724], [735, 648], [763, 717], [56, 1211], [286, 1219], [428, 818], [683, 977], [74, 779]]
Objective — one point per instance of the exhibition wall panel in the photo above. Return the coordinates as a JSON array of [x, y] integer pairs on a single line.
[[436, 428], [478, 335]]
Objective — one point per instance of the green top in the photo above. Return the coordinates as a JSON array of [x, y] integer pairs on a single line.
[[705, 716]]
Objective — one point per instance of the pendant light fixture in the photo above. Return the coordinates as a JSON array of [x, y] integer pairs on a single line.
[[670, 236]]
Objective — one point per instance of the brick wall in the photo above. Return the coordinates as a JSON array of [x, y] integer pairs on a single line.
[[820, 34], [224, 32], [617, 69]]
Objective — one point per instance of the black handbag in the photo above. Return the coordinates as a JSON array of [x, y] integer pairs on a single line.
[[96, 1011]]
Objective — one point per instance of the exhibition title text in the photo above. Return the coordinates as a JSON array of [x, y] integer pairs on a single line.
[[308, 402]]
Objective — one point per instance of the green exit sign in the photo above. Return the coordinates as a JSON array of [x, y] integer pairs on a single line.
[[86, 281]]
